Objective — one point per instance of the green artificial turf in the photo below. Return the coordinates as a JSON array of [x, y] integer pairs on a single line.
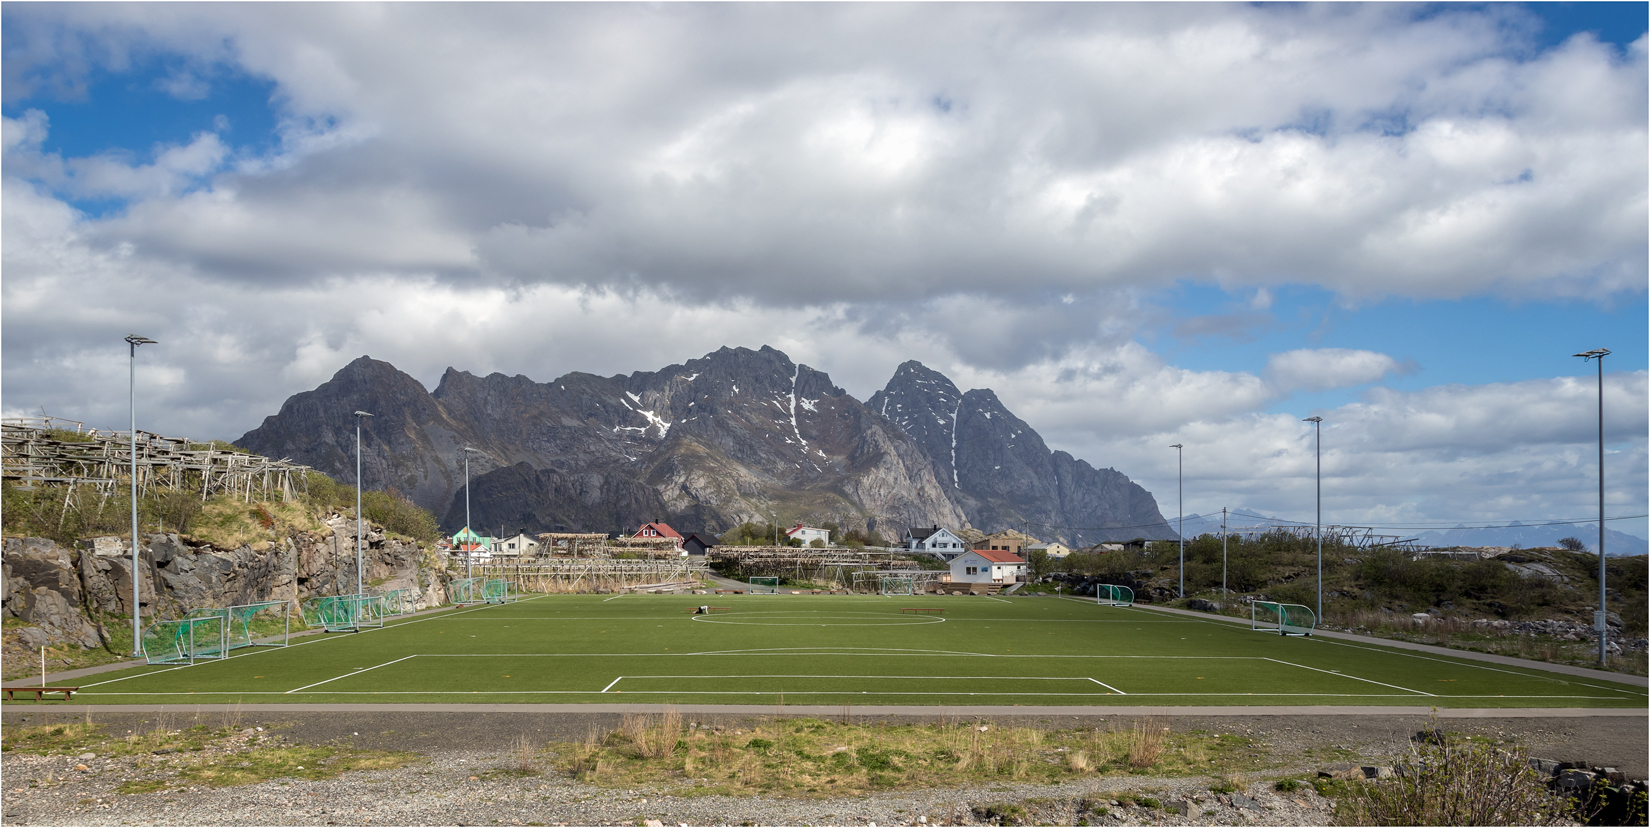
[[837, 650]]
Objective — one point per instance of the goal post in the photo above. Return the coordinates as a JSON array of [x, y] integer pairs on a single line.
[[764, 584], [186, 640], [1283, 619], [399, 601], [897, 586], [498, 591], [237, 621], [465, 591], [339, 613], [1112, 595]]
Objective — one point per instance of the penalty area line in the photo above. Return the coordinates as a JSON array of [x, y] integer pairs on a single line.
[[1107, 686], [351, 673]]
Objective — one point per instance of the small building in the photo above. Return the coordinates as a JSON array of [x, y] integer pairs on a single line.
[[471, 545], [935, 540], [1006, 541], [696, 543], [1054, 549], [809, 534], [514, 547], [659, 529], [984, 566]]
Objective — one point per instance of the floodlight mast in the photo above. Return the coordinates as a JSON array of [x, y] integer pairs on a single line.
[[468, 553], [137, 629], [1317, 426], [1599, 616], [358, 416], [1180, 466]]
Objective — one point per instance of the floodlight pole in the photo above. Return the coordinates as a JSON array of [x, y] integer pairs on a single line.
[[1223, 590], [775, 518], [358, 416], [468, 553], [1599, 617], [134, 341], [1317, 426], [1180, 465]]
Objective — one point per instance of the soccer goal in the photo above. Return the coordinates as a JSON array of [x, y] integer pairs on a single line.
[[465, 591], [400, 601], [765, 585], [1112, 595], [238, 623], [898, 586], [338, 613], [498, 591], [186, 640], [1284, 619]]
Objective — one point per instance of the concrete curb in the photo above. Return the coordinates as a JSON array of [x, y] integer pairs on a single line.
[[838, 711]]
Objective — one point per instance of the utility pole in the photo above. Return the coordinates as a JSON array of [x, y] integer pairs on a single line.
[[358, 585], [1317, 425], [469, 541], [137, 628], [1223, 591], [1180, 465], [1599, 617]]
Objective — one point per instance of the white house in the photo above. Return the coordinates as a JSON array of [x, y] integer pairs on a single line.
[[517, 546], [984, 566], [934, 539], [1055, 549], [808, 534]]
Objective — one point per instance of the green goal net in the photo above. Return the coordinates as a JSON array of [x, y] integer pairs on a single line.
[[1112, 595], [238, 623], [1283, 619], [186, 640], [498, 591], [897, 586], [465, 591], [400, 601], [764, 585], [337, 613]]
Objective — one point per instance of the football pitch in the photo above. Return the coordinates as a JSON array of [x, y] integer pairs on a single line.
[[839, 650]]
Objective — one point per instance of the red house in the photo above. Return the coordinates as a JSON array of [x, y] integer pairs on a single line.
[[659, 530]]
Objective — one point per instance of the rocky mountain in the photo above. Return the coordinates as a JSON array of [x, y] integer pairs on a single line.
[[1003, 475], [736, 435]]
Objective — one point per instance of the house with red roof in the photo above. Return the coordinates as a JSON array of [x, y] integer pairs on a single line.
[[987, 566], [659, 529]]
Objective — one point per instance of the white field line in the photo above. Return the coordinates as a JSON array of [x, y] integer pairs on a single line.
[[353, 673], [1480, 666], [1107, 686], [1347, 675], [834, 693], [620, 595], [858, 676], [139, 675], [613, 682]]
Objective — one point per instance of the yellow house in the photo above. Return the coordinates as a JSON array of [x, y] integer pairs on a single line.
[[1055, 549]]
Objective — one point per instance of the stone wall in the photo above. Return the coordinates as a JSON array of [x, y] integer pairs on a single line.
[[61, 593]]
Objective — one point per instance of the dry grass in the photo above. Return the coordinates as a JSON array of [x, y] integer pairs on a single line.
[[818, 757]]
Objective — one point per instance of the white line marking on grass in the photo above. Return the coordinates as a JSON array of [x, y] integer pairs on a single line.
[[1107, 686], [610, 684], [1347, 675], [353, 673], [620, 595], [139, 675], [199, 694], [1480, 666]]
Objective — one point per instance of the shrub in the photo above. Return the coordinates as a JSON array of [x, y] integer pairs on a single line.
[[1456, 782]]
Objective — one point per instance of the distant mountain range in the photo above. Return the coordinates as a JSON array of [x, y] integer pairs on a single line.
[[1520, 535], [735, 436]]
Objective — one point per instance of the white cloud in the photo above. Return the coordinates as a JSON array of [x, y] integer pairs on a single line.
[[1317, 369]]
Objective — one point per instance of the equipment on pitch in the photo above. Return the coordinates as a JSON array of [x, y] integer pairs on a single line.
[[497, 591], [238, 623], [400, 601], [764, 585], [1284, 619], [465, 591], [1112, 595], [186, 640], [897, 586], [340, 613]]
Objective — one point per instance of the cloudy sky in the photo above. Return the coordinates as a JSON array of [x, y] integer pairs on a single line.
[[1139, 224]]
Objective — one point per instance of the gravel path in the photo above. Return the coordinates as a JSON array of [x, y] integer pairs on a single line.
[[472, 785]]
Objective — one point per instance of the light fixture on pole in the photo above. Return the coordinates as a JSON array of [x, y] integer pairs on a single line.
[[358, 416], [469, 540], [1180, 466], [137, 629], [1599, 617], [1317, 425]]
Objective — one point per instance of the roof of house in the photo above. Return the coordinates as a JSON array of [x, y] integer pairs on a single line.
[[663, 529], [999, 556], [922, 532], [703, 539], [800, 528]]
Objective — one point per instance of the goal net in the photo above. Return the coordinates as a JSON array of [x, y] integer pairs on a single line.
[[1283, 619], [237, 622], [465, 591], [898, 586], [1112, 595], [337, 613], [400, 601], [498, 591], [185, 640], [765, 585]]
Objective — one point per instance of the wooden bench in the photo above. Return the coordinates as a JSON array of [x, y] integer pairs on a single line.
[[39, 692], [922, 609]]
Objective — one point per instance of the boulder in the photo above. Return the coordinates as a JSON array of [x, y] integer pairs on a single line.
[[1202, 606]]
